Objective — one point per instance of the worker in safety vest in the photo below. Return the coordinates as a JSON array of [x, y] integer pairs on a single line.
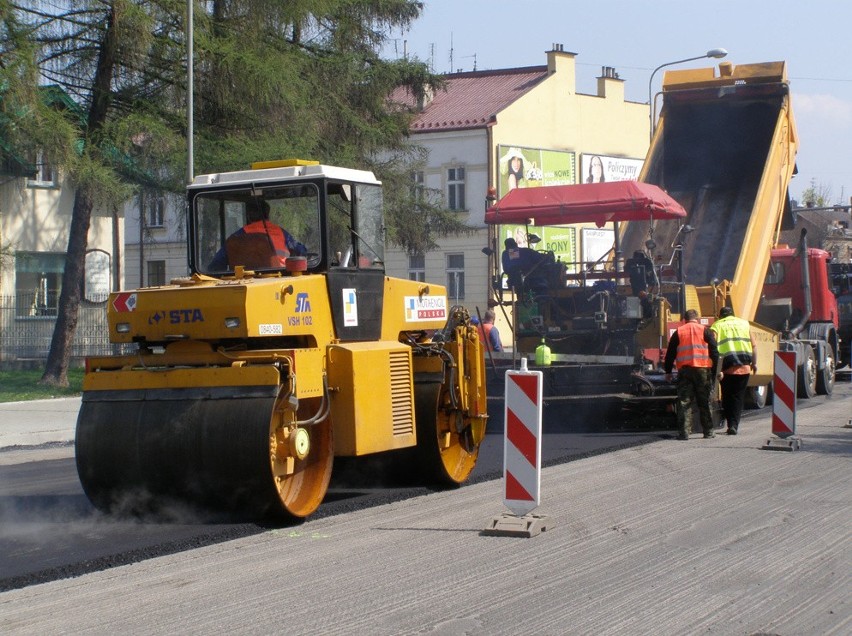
[[736, 347], [277, 242], [488, 333], [693, 347]]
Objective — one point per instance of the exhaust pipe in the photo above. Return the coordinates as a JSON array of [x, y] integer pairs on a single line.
[[806, 283]]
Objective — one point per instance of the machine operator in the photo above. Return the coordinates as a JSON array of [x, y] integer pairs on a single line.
[[524, 267], [259, 243]]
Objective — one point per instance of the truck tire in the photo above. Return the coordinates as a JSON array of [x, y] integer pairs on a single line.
[[807, 374], [757, 396], [825, 376]]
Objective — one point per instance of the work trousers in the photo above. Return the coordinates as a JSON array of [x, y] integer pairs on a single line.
[[693, 389], [733, 395]]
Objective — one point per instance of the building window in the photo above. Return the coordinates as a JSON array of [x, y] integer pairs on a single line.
[[455, 277], [155, 208], [156, 273], [455, 188], [38, 281], [417, 267], [45, 176], [418, 184]]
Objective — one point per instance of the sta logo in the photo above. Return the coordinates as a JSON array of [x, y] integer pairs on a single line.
[[177, 316], [303, 304]]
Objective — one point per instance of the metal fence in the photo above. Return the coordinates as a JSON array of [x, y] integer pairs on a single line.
[[26, 329]]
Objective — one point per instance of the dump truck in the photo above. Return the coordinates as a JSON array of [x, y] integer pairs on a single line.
[[798, 301], [724, 149], [282, 349]]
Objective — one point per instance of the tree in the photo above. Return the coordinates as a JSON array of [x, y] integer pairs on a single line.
[[93, 51], [327, 98], [816, 196], [274, 79]]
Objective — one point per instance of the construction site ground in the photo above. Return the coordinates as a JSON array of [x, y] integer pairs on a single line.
[[706, 536]]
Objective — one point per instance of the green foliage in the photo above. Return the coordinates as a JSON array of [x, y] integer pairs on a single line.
[[816, 196], [272, 80]]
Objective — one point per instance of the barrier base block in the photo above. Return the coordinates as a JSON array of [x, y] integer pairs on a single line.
[[788, 444], [509, 525]]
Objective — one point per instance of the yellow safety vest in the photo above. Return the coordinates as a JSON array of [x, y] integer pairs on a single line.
[[733, 341]]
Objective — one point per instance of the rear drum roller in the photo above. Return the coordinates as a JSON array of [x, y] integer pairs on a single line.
[[445, 455], [216, 447]]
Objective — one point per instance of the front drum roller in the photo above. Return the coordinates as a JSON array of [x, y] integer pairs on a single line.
[[218, 447], [446, 453]]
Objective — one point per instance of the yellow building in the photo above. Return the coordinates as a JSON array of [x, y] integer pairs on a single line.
[[36, 203], [517, 127]]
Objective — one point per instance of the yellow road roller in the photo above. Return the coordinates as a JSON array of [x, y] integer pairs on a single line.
[[285, 347]]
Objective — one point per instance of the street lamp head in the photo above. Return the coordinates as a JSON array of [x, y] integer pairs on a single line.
[[717, 53]]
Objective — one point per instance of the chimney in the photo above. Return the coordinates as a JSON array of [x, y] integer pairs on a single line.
[[610, 85], [561, 62], [424, 99]]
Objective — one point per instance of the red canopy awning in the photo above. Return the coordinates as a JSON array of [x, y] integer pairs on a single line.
[[598, 203]]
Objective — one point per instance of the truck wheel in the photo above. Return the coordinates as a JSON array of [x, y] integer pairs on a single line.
[[757, 396], [807, 375], [825, 378]]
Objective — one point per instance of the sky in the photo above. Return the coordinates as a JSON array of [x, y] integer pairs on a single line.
[[814, 37]]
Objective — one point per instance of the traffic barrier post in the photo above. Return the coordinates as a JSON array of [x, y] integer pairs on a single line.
[[784, 404], [521, 456]]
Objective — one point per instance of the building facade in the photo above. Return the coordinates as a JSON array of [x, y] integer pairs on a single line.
[[36, 204], [517, 128], [155, 233]]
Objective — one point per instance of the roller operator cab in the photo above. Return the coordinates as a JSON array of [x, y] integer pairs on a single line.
[[286, 346]]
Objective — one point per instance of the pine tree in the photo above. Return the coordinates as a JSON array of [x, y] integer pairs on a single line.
[[274, 79]]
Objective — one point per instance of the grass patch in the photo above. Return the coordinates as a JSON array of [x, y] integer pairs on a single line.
[[18, 386]]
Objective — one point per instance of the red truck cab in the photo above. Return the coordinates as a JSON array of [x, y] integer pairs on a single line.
[[785, 280]]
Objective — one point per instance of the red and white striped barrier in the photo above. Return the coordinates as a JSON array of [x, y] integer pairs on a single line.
[[521, 457], [784, 388], [522, 441], [784, 403]]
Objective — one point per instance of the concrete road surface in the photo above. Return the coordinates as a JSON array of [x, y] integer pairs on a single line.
[[38, 422], [705, 536]]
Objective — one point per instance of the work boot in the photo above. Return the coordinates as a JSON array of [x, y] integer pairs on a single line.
[[709, 435], [683, 435], [732, 431]]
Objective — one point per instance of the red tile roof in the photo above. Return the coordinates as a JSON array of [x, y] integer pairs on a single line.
[[470, 100]]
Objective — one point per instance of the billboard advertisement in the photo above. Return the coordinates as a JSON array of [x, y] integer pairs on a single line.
[[599, 168], [529, 167]]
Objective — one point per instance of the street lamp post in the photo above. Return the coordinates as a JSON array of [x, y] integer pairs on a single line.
[[190, 89], [716, 53]]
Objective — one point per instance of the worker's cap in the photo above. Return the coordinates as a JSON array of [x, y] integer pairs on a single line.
[[724, 312], [510, 243]]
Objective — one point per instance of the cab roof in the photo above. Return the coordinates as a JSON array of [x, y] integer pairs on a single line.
[[284, 171]]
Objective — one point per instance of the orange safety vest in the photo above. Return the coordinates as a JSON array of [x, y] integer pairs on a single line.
[[275, 234], [484, 331], [692, 350]]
